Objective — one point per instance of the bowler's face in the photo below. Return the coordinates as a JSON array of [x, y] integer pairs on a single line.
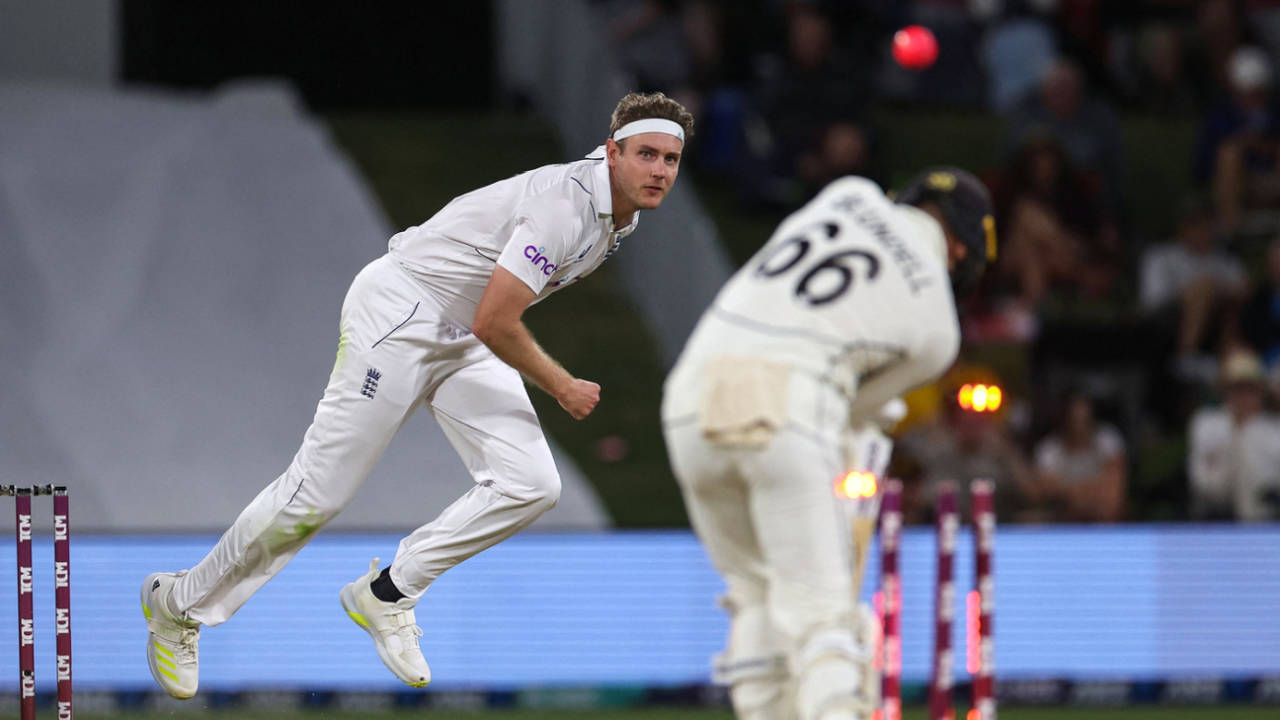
[[645, 167]]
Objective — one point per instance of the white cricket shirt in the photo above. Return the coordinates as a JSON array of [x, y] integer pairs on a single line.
[[852, 288], [549, 227]]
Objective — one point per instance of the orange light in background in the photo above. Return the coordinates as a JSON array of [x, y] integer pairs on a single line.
[[980, 398], [994, 397], [856, 485], [974, 714]]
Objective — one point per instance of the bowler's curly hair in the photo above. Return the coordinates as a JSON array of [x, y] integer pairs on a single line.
[[640, 106]]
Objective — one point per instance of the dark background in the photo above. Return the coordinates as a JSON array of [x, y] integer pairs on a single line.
[[396, 54]]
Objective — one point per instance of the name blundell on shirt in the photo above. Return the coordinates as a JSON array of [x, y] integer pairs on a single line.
[[913, 271]]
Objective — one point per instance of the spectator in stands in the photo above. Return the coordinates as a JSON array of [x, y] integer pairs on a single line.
[[1192, 288], [1239, 144], [1260, 320], [673, 46], [811, 105], [1152, 54], [1081, 473], [1264, 19], [1221, 30], [1055, 230], [1234, 462], [1084, 125], [1016, 52], [1162, 83]]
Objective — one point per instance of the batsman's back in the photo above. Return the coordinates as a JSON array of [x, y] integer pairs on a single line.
[[848, 285]]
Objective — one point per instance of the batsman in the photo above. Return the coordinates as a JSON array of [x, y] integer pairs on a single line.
[[783, 388]]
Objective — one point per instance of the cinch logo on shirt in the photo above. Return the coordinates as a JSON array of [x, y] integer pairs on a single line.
[[539, 260]]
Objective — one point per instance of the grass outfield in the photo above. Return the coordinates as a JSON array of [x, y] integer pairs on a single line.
[[912, 713]]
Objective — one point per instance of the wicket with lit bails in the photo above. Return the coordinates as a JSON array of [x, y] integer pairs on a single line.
[[979, 604]]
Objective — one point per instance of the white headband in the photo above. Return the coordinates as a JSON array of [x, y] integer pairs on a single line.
[[649, 125]]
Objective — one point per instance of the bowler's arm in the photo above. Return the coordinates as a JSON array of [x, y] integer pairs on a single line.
[[498, 325]]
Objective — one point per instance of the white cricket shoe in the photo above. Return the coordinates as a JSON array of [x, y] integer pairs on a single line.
[[392, 626], [173, 647]]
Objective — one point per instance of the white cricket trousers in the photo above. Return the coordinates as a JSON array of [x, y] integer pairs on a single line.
[[394, 353], [771, 524]]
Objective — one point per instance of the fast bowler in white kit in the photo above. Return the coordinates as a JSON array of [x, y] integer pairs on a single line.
[[437, 322], [775, 396]]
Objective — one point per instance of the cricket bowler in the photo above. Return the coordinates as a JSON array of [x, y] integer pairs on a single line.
[[436, 322], [784, 382]]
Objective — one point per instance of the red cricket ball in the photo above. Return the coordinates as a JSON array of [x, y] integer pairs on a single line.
[[915, 47]]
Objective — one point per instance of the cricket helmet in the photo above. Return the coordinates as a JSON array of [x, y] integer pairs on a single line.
[[966, 207]]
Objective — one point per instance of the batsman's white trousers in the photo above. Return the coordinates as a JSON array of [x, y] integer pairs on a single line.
[[771, 524], [394, 353]]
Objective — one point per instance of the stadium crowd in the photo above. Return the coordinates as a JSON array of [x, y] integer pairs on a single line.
[[1140, 358]]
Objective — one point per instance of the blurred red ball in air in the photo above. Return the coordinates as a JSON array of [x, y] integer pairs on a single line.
[[915, 47]]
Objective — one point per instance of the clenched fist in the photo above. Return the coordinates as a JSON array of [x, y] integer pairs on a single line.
[[580, 398]]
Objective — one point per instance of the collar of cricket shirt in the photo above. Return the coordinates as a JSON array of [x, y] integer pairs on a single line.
[[603, 192]]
